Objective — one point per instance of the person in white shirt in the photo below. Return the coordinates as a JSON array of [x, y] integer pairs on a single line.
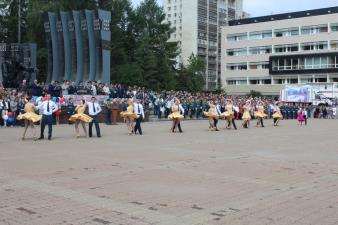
[[106, 89], [94, 109], [138, 109], [48, 107], [93, 88], [304, 113], [334, 112]]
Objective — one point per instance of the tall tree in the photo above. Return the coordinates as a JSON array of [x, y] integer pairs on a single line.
[[191, 77], [9, 20], [151, 28]]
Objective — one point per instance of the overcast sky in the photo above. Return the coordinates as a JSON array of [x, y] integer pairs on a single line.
[[267, 7]]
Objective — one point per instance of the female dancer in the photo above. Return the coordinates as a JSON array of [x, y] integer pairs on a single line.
[[175, 116], [246, 114], [212, 115], [277, 116], [260, 115], [129, 116], [300, 116], [80, 117], [29, 117], [230, 115]]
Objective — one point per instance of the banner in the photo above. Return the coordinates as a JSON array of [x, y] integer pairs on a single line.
[[298, 94], [77, 98]]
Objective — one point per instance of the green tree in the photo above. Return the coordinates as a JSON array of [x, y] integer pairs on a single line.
[[254, 94], [191, 77], [152, 31], [9, 20]]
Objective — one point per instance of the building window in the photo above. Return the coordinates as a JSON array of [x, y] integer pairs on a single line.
[[314, 29], [237, 37], [266, 81], [237, 52], [334, 45], [304, 63], [334, 27], [260, 50], [287, 32], [231, 82], [237, 66], [258, 65], [286, 48], [314, 46], [254, 82], [260, 35]]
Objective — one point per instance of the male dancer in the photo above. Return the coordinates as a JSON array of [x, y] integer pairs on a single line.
[[94, 109], [138, 109], [47, 107]]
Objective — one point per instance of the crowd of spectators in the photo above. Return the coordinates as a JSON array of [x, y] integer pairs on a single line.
[[157, 103]]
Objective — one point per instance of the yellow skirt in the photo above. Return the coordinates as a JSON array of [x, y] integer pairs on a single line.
[[260, 114], [129, 115], [246, 116], [277, 115], [175, 115], [228, 114], [208, 114], [29, 116], [81, 116]]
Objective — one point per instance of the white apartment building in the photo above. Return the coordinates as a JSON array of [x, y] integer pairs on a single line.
[[197, 26], [264, 53]]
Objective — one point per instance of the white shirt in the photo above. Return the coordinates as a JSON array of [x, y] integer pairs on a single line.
[[218, 109], [47, 109], [138, 108], [106, 90], [181, 108], [170, 103], [94, 90], [93, 108]]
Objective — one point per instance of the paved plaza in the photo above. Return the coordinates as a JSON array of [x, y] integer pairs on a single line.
[[285, 175]]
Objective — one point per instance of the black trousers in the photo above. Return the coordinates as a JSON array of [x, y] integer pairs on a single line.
[[215, 122], [47, 119], [233, 123], [179, 126], [97, 126], [138, 125], [261, 122]]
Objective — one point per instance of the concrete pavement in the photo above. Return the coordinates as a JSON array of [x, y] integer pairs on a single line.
[[274, 175]]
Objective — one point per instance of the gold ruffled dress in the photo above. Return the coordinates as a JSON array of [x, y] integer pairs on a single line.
[[229, 112], [211, 113], [80, 115], [29, 114], [260, 113], [246, 114], [175, 113], [129, 113], [277, 114]]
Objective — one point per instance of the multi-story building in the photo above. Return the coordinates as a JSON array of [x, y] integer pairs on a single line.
[[197, 26], [264, 53]]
